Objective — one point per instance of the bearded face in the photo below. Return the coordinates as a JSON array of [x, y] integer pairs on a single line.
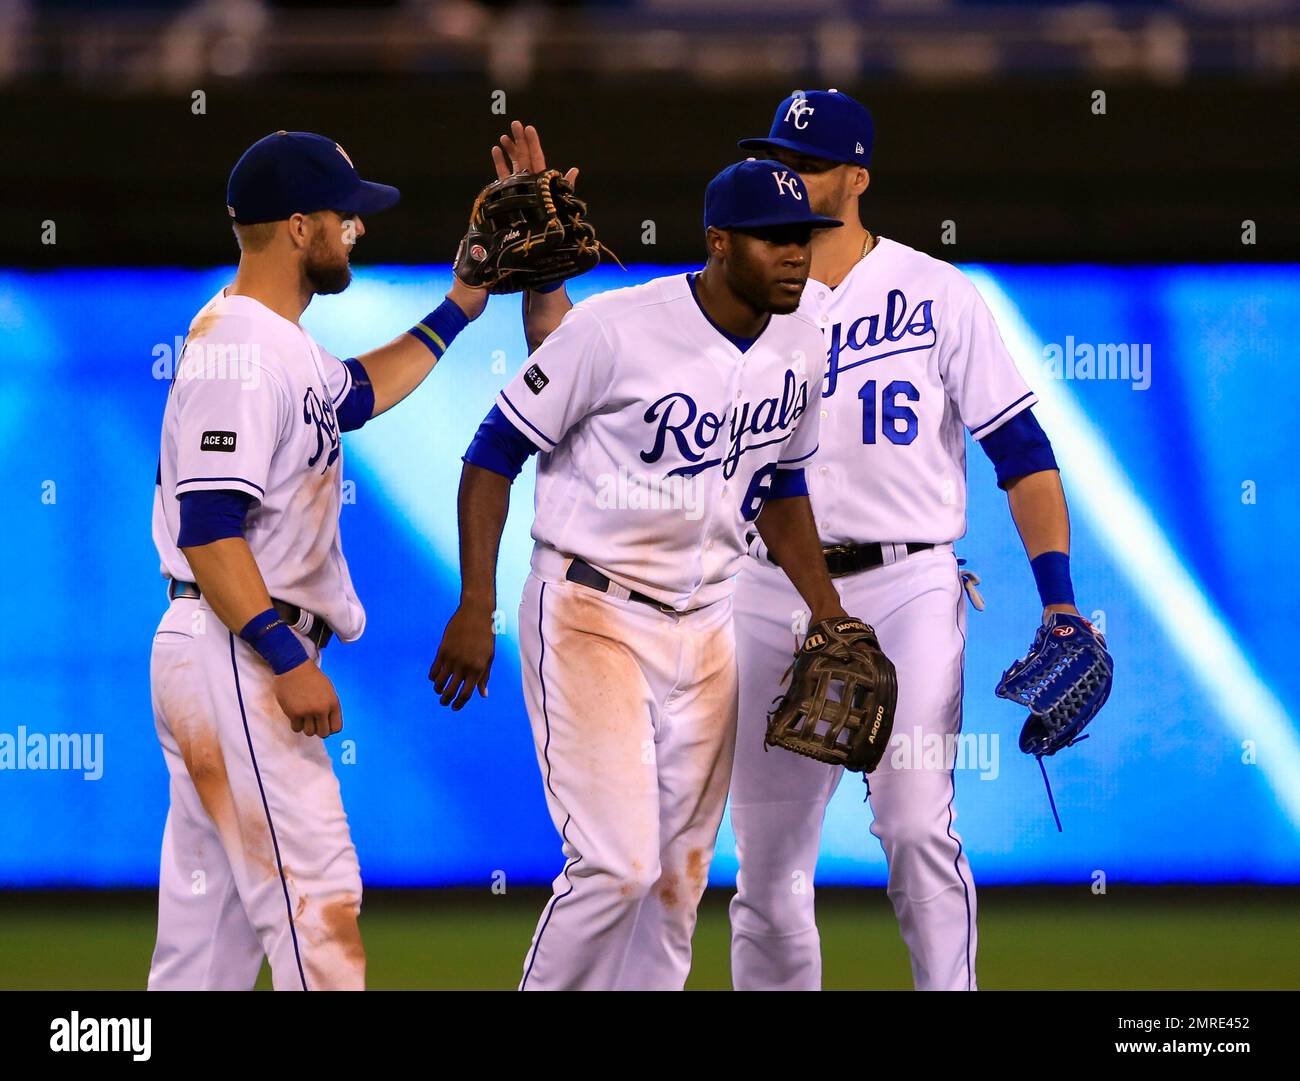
[[325, 265]]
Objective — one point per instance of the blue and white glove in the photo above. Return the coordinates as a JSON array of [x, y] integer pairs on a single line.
[[1064, 680]]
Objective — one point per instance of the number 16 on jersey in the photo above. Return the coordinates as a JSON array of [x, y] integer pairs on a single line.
[[898, 422]]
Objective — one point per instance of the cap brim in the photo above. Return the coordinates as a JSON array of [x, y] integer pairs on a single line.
[[814, 221], [370, 198], [797, 147]]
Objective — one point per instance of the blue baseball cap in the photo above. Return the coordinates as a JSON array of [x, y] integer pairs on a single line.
[[822, 124], [298, 172], [754, 194]]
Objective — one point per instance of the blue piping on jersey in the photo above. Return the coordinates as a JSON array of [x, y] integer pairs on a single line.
[[546, 757], [952, 788], [266, 807], [515, 409], [998, 416], [801, 458], [204, 480]]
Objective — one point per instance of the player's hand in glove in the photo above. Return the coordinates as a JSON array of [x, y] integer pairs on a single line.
[[309, 701], [527, 229], [464, 659], [1064, 680], [839, 707]]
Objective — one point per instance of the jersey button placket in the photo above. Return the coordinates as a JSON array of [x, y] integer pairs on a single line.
[[734, 392]]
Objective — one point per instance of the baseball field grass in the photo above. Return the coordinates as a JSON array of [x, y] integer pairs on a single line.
[[1040, 938]]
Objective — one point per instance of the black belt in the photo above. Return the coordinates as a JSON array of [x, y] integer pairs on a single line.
[[585, 574], [842, 559], [317, 632]]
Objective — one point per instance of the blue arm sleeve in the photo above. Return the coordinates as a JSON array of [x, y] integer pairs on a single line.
[[787, 483], [209, 516], [358, 404], [1018, 447], [499, 446]]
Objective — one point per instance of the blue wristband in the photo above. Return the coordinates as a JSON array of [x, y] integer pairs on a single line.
[[437, 329], [274, 641], [1052, 576]]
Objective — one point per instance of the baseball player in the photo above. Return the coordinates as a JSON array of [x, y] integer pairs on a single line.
[[914, 361], [256, 857], [670, 417]]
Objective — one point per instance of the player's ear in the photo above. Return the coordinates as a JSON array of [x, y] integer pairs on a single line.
[[717, 241], [300, 230], [862, 181]]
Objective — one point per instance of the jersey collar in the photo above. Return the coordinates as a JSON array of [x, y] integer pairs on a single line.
[[742, 344], [881, 241]]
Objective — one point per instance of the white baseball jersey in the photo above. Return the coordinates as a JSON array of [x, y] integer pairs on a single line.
[[660, 438], [914, 361], [251, 409]]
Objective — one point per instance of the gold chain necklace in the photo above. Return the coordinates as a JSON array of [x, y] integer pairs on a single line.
[[867, 245]]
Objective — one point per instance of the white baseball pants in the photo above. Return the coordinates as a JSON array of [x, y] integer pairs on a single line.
[[257, 858], [633, 714], [778, 799]]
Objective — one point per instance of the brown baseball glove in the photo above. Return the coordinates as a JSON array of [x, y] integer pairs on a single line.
[[839, 707], [527, 231]]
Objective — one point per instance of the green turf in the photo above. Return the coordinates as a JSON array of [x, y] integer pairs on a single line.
[[1147, 938]]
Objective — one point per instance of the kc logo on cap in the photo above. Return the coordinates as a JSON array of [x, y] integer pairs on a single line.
[[760, 194], [799, 111], [787, 184], [822, 124]]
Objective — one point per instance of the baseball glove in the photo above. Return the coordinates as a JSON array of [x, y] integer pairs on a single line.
[[527, 231], [1064, 679], [839, 707]]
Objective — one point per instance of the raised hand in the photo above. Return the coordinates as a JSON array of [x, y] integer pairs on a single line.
[[521, 152]]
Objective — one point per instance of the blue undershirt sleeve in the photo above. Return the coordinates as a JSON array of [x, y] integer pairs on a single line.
[[499, 446], [211, 515], [1018, 447], [787, 483], [358, 404]]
